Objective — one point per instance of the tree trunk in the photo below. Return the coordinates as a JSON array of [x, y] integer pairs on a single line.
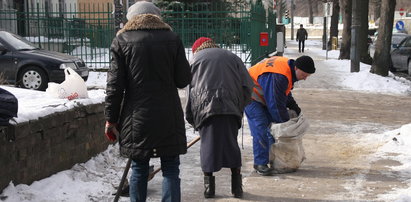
[[363, 38], [382, 56], [346, 34], [355, 36], [314, 6], [310, 12], [280, 11], [334, 22], [377, 10]]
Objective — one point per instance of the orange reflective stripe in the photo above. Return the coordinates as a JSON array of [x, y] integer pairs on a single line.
[[275, 64]]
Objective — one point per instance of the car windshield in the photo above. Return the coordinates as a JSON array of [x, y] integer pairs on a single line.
[[17, 42], [397, 39], [405, 42]]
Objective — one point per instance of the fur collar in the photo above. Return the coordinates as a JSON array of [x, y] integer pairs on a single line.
[[144, 22]]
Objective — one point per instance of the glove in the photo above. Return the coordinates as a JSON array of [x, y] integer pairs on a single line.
[[111, 131], [292, 113]]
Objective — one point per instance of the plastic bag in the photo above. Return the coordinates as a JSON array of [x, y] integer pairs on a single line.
[[287, 153], [73, 86]]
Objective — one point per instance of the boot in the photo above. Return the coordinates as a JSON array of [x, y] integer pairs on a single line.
[[209, 186], [237, 185]]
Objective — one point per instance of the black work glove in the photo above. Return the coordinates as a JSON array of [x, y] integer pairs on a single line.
[[297, 109], [294, 106]]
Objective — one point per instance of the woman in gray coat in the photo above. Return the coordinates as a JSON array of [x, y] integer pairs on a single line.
[[218, 93]]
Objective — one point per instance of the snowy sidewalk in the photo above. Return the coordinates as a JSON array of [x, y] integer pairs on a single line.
[[350, 148]]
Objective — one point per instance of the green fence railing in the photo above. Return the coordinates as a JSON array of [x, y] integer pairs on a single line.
[[235, 27], [86, 30]]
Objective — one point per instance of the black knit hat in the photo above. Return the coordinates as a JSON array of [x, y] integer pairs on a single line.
[[305, 63]]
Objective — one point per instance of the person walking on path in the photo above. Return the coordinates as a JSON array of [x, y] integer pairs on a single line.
[[148, 65], [274, 78], [302, 35], [220, 89]]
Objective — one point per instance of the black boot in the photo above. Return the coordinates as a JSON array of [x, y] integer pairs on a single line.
[[237, 185], [209, 186]]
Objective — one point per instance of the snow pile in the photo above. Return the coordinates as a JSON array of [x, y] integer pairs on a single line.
[[398, 142], [374, 83], [34, 104], [75, 184]]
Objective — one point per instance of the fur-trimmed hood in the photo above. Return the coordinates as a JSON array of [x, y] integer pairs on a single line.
[[144, 22]]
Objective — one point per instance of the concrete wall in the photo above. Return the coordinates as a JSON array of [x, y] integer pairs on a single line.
[[36, 149]]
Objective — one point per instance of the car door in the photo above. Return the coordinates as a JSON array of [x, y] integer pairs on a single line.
[[7, 64], [401, 55]]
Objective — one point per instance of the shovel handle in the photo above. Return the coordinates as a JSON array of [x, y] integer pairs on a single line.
[[191, 143], [123, 179]]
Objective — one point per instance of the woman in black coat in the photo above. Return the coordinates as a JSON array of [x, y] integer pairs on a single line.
[[148, 65]]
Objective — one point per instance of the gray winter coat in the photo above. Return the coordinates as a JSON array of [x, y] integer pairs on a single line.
[[220, 85]]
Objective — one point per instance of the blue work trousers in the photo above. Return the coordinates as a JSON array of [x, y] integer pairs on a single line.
[[259, 121], [171, 181]]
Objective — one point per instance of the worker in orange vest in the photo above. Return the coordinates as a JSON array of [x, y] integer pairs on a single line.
[[274, 78]]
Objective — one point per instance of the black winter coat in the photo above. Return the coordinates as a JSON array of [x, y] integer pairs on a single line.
[[148, 65], [302, 34]]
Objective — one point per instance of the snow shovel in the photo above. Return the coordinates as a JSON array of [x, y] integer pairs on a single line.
[[123, 179], [150, 176]]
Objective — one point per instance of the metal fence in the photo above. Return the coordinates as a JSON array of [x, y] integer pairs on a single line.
[[235, 27], [86, 30], [83, 30]]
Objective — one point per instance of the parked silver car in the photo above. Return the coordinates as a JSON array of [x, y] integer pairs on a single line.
[[395, 40], [401, 56], [400, 52]]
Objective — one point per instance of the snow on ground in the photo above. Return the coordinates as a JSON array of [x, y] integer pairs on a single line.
[[97, 177], [35, 104]]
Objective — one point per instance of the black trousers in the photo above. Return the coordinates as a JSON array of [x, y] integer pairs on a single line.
[[301, 42]]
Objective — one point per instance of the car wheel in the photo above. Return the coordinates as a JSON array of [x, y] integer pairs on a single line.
[[33, 78]]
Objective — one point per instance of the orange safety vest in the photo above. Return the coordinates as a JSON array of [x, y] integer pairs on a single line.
[[275, 64]]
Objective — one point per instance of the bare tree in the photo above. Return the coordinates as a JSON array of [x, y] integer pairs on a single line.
[[346, 6], [382, 57], [310, 12], [363, 33], [334, 21], [376, 8]]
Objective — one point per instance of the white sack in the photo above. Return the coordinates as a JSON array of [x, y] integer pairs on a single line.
[[72, 87], [287, 153]]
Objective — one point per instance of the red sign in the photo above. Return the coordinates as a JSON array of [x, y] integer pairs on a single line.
[[264, 39], [401, 11]]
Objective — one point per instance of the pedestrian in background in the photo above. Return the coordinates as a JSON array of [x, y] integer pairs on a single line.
[[220, 89], [302, 35], [272, 99], [148, 65]]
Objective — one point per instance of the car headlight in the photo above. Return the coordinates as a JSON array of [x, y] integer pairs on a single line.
[[66, 65]]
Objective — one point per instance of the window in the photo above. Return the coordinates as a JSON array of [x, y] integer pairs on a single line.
[[407, 43]]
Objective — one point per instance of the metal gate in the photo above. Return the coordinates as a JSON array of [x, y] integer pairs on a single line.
[[235, 27]]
